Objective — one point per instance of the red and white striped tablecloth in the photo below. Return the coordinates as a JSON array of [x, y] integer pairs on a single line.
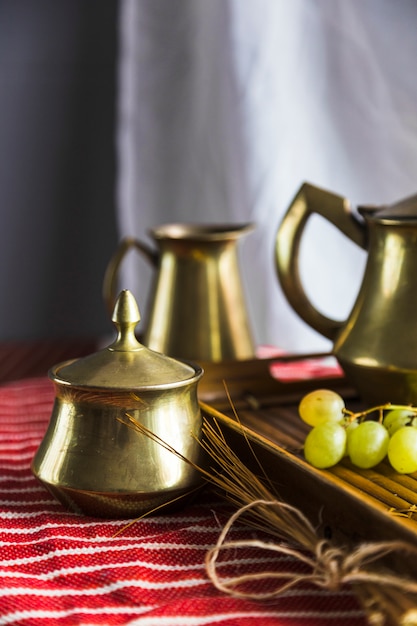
[[58, 568]]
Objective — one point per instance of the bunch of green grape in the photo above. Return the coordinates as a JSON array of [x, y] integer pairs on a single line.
[[337, 432]]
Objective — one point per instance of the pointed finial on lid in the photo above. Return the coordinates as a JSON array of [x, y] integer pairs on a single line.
[[125, 317]]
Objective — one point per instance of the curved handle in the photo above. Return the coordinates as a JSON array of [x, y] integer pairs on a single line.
[[336, 210], [111, 274]]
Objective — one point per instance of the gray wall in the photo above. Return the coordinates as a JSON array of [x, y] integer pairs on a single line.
[[57, 165]]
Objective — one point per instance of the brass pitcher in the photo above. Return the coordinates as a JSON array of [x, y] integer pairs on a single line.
[[197, 309], [377, 344]]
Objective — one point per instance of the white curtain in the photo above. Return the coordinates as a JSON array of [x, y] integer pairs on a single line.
[[227, 106]]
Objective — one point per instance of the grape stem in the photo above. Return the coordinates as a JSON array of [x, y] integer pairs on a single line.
[[352, 416]]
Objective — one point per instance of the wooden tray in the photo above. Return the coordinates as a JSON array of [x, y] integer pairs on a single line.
[[344, 503]]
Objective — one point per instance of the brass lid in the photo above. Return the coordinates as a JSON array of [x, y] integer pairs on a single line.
[[125, 364], [400, 212]]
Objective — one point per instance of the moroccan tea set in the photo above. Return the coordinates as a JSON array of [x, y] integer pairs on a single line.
[[90, 459]]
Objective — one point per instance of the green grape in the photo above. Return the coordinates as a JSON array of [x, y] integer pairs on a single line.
[[402, 450], [397, 418], [350, 427], [321, 405], [325, 445], [367, 444]]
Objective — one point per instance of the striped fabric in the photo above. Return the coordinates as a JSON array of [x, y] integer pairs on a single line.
[[58, 568], [325, 367]]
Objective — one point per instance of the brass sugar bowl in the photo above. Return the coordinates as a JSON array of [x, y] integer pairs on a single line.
[[90, 459]]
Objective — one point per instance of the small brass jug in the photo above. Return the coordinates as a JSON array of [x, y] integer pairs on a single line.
[[90, 459], [377, 345], [197, 308]]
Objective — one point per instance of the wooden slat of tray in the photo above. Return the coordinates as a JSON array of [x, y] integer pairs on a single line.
[[250, 381], [344, 503]]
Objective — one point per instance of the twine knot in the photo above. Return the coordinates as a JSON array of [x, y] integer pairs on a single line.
[[330, 566]]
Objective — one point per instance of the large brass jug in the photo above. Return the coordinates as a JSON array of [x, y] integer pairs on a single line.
[[197, 307], [377, 344]]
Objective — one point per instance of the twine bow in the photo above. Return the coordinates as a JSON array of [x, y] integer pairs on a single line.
[[330, 567]]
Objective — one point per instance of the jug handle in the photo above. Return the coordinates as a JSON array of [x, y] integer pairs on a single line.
[[337, 210], [110, 290]]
